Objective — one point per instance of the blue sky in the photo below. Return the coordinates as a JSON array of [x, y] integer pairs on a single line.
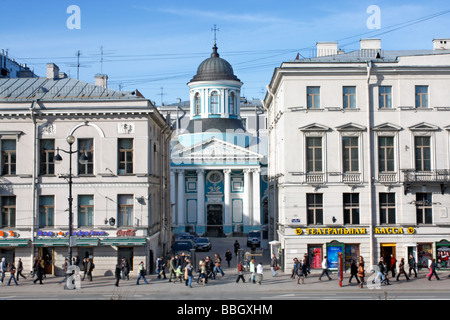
[[149, 45]]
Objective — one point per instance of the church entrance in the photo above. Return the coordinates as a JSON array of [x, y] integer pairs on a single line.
[[214, 214]]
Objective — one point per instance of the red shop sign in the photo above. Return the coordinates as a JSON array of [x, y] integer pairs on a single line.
[[129, 232]]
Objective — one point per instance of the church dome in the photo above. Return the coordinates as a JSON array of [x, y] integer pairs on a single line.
[[214, 68]]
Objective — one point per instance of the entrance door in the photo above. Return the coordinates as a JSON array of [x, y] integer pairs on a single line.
[[214, 215], [386, 250], [47, 255], [127, 254]]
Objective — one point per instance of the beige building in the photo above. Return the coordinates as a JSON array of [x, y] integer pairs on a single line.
[[120, 192], [359, 154]]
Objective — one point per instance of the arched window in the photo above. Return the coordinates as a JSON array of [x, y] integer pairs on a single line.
[[232, 103], [214, 103], [197, 104]]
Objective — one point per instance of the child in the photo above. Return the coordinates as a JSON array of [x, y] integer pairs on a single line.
[[178, 275]]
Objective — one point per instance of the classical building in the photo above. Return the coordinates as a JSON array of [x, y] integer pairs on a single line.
[[359, 149], [119, 165], [218, 156]]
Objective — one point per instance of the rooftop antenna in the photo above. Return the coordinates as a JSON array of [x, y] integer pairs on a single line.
[[162, 95], [78, 64], [215, 29], [101, 59]]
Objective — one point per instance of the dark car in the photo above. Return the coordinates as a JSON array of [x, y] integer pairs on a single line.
[[254, 239], [182, 246], [202, 244], [187, 236]]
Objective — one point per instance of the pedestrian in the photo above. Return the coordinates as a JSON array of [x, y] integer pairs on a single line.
[[209, 268], [64, 267], [12, 271], [189, 270], [240, 269], [325, 268], [117, 273], [259, 273], [39, 271], [88, 268], [274, 265], [3, 268], [301, 270], [218, 265], [385, 268], [308, 267], [237, 246], [382, 272], [412, 265], [252, 269], [142, 271], [353, 272], [160, 267], [228, 257], [125, 269], [294, 268], [34, 268], [203, 274], [432, 270], [393, 265], [361, 272], [401, 269], [84, 269], [179, 274], [172, 268], [19, 270]]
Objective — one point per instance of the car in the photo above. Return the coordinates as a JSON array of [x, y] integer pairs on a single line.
[[187, 236], [182, 246], [202, 244], [254, 239]]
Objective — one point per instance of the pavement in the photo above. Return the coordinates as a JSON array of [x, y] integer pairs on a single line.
[[281, 286]]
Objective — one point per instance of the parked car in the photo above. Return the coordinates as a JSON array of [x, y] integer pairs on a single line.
[[202, 244], [187, 236], [254, 239], [182, 246]]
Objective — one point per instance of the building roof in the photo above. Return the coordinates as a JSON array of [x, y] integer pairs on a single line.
[[214, 68], [28, 89]]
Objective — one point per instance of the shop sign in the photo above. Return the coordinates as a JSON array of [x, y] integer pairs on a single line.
[[394, 230], [9, 233], [335, 231], [125, 233], [78, 233]]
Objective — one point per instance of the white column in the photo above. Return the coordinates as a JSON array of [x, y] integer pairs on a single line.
[[256, 197], [247, 197], [200, 197], [172, 195], [181, 200], [227, 196]]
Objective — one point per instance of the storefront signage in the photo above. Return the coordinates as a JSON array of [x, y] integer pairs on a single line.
[[7, 233], [124, 233], [78, 233], [353, 231], [394, 230]]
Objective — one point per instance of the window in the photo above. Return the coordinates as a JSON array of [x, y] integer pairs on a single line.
[[351, 208], [214, 102], [350, 154], [197, 101], [232, 103], [46, 211], [387, 208], [424, 208], [86, 146], [85, 210], [313, 97], [421, 96], [384, 97], [349, 97], [313, 154], [125, 156], [422, 153], [8, 211], [125, 211], [47, 151], [314, 207], [8, 157], [386, 154]]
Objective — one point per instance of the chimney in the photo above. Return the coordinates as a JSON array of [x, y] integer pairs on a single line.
[[101, 80], [52, 71], [326, 48], [441, 44], [370, 48]]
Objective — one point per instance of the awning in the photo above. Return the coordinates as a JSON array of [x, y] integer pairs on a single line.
[[123, 242], [87, 242], [52, 242], [4, 243]]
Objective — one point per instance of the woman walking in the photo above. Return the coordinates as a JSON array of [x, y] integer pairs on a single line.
[[259, 273], [252, 269], [39, 271], [12, 270], [401, 268], [240, 273], [361, 272], [432, 270], [274, 265], [189, 273], [117, 273], [203, 274], [302, 271], [217, 265], [19, 270], [141, 273]]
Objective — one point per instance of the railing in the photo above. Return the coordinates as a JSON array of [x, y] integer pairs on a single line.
[[351, 177], [390, 177], [426, 177], [314, 178]]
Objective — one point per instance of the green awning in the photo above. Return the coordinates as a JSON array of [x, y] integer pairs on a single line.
[[52, 242], [87, 242], [14, 242], [123, 242]]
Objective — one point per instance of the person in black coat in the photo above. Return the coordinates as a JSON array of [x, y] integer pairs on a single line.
[[353, 272], [117, 274], [228, 256]]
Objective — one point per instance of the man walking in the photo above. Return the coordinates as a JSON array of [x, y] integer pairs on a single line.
[[141, 273], [274, 265], [325, 268], [412, 265]]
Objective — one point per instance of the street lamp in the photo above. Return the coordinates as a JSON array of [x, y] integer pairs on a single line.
[[83, 160]]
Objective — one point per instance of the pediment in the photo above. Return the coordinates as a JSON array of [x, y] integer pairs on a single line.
[[351, 127], [215, 149], [387, 127], [315, 127], [424, 126]]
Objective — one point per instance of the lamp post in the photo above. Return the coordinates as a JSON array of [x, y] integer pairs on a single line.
[[83, 160]]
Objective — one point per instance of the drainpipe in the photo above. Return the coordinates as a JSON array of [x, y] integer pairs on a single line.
[[34, 187], [370, 158]]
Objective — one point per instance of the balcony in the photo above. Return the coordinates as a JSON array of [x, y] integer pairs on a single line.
[[413, 178], [348, 177]]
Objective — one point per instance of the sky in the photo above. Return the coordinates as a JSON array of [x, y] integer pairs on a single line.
[[157, 46]]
